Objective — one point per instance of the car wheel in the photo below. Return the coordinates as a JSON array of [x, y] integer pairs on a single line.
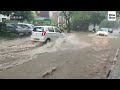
[[29, 34], [47, 41]]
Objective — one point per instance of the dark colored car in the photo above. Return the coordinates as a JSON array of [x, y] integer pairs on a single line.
[[11, 28], [29, 27], [110, 30], [20, 29]]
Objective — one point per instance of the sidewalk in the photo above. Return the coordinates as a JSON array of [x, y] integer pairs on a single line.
[[115, 73]]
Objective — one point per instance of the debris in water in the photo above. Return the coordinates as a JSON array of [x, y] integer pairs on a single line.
[[49, 72]]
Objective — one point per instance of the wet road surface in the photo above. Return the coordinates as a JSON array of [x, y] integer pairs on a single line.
[[81, 55]]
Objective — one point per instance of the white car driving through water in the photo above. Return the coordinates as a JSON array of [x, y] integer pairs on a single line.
[[103, 32], [45, 34]]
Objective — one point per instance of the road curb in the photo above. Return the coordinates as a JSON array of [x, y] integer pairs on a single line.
[[113, 64]]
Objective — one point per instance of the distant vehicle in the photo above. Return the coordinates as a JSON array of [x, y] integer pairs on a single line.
[[110, 30], [103, 32], [45, 34], [21, 29]]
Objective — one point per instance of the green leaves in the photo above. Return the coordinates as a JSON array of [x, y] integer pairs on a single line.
[[6, 12], [96, 17], [28, 15], [34, 15], [67, 15], [84, 18], [109, 24]]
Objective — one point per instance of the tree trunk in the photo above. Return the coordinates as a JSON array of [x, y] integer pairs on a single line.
[[65, 24], [94, 24], [68, 26], [94, 28]]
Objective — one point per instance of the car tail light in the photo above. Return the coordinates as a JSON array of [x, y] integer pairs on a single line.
[[43, 33]]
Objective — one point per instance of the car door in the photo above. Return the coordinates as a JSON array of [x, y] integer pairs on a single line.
[[58, 32], [52, 33]]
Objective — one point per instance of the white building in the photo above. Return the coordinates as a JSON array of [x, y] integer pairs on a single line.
[[3, 16]]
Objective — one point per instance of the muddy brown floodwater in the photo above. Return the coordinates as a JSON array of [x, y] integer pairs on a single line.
[[16, 52], [76, 56]]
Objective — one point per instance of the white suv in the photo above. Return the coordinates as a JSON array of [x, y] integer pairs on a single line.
[[46, 34], [103, 31]]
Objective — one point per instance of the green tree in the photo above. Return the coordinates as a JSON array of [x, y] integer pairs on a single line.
[[67, 15], [118, 13], [34, 15], [6, 12], [97, 17], [109, 24], [84, 18], [80, 20], [28, 15]]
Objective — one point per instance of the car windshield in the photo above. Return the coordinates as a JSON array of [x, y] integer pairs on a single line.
[[29, 25], [19, 26], [38, 29], [104, 29]]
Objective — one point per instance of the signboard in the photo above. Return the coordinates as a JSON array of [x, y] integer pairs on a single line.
[[111, 15]]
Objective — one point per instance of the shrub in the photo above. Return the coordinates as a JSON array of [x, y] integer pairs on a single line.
[[62, 29]]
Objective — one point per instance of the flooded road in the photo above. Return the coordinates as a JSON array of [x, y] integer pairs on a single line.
[[79, 55], [18, 51]]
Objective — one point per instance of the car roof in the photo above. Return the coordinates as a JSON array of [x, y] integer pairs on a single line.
[[103, 28], [45, 26], [25, 23]]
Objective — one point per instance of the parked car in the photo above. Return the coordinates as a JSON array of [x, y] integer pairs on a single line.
[[21, 29], [103, 31], [25, 25], [11, 28], [29, 27], [46, 34]]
